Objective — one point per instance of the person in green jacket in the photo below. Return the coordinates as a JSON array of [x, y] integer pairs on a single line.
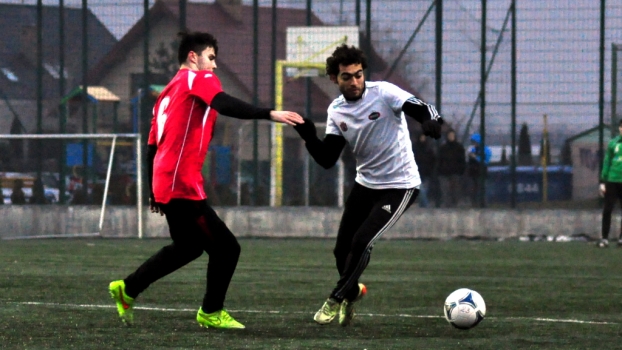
[[611, 185]]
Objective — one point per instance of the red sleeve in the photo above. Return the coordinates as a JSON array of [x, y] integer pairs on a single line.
[[205, 86], [153, 132]]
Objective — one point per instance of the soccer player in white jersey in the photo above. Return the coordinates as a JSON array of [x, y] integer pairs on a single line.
[[369, 116]]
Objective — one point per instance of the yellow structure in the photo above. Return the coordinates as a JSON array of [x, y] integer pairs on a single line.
[[276, 166]]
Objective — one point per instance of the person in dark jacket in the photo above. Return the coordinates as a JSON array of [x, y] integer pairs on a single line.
[[18, 196], [425, 159], [451, 166]]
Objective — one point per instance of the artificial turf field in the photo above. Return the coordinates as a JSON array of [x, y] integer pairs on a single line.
[[539, 295]]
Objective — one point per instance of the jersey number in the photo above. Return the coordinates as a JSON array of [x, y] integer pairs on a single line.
[[161, 117]]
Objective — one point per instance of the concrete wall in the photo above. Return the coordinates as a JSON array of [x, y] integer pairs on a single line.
[[30, 220]]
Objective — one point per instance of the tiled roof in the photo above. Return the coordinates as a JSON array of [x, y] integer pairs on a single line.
[[18, 48], [235, 39]]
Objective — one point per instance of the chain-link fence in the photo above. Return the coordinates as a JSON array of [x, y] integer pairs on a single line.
[[539, 58], [616, 86]]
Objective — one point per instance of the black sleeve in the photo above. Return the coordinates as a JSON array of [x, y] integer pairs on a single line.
[[419, 110], [326, 152], [236, 108], [151, 152]]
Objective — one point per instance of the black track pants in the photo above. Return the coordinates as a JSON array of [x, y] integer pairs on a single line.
[[613, 192], [367, 215], [194, 228]]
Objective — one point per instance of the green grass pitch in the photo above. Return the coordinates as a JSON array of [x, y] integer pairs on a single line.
[[539, 295]]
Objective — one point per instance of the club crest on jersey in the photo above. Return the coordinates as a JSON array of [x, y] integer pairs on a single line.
[[374, 115], [343, 126]]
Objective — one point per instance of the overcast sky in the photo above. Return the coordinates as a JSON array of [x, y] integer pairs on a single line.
[[558, 43]]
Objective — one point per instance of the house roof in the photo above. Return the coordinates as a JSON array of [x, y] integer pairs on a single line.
[[234, 33], [94, 93], [18, 48], [591, 135]]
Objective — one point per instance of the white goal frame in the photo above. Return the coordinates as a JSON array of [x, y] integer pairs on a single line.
[[113, 137]]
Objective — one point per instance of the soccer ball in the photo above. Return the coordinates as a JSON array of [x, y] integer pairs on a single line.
[[464, 308]]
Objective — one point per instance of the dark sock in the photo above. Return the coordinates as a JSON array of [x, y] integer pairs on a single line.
[[129, 292]]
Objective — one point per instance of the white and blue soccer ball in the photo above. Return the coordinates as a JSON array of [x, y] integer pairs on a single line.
[[464, 308]]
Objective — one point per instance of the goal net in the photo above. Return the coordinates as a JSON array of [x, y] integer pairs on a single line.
[[307, 49], [71, 185]]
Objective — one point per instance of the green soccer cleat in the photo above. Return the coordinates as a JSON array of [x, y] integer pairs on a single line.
[[125, 304], [346, 311], [218, 319], [327, 312]]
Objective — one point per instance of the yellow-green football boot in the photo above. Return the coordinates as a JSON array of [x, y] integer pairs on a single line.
[[218, 319], [125, 304], [327, 312], [346, 311]]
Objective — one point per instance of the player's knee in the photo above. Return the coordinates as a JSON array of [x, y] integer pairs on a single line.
[[235, 249], [189, 250], [360, 245], [230, 251], [341, 250]]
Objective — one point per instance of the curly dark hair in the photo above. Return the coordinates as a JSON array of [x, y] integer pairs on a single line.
[[345, 55], [195, 41]]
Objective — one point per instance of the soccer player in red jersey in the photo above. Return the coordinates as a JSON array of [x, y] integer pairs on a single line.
[[181, 130]]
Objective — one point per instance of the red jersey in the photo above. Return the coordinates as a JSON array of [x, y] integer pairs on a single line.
[[182, 128]]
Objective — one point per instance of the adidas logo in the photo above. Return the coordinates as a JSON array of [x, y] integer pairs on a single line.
[[387, 207]]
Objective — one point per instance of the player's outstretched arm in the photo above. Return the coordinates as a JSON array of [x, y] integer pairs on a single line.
[[425, 114], [325, 152], [287, 117], [233, 107]]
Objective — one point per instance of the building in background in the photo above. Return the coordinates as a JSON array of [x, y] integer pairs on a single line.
[[18, 72]]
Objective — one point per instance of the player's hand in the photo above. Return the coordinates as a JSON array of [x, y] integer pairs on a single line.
[[432, 128], [155, 207], [287, 117], [306, 130], [602, 190]]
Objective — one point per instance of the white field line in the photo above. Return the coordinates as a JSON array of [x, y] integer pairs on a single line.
[[162, 309]]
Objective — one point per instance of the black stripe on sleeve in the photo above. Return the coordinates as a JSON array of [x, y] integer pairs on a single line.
[[419, 110]]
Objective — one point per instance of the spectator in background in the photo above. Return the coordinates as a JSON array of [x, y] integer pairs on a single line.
[[451, 166], [611, 185], [18, 196], [38, 193], [474, 169], [78, 196], [97, 195], [425, 159]]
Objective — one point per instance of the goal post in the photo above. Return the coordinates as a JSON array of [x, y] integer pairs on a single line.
[[113, 138], [307, 48], [276, 168]]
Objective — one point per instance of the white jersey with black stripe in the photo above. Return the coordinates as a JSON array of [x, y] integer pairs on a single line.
[[375, 128]]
